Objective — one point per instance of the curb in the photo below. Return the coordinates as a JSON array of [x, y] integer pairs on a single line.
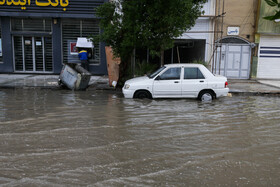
[[90, 88], [255, 93]]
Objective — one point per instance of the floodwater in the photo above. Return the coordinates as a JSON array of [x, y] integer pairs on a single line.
[[65, 138]]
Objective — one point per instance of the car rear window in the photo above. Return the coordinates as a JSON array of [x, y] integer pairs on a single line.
[[193, 73]]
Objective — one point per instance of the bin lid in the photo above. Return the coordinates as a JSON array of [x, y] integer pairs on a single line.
[[84, 43]]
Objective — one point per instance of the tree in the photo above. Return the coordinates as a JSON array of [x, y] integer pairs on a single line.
[[273, 3], [152, 24]]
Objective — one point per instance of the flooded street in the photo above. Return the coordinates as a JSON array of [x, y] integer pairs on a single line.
[[65, 138]]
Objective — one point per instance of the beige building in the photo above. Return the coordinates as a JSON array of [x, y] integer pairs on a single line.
[[238, 13], [235, 25]]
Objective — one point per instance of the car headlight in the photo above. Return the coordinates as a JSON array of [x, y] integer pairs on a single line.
[[126, 86]]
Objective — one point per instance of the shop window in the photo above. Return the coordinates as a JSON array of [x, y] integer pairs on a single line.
[[43, 25], [71, 30]]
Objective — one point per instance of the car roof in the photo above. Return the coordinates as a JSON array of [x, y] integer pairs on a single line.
[[183, 65]]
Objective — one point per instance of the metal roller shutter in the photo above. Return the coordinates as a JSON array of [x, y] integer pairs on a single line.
[[269, 58], [32, 45], [0, 44], [74, 28]]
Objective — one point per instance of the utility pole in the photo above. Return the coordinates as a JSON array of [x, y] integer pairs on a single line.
[[220, 39], [218, 34]]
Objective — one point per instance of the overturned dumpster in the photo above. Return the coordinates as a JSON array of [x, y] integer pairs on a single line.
[[74, 77]]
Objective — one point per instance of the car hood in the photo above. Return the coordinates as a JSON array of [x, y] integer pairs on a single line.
[[137, 80]]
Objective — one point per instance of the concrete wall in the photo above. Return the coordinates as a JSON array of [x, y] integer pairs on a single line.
[[239, 13]]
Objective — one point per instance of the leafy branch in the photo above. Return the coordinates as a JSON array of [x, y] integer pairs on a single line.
[[273, 3]]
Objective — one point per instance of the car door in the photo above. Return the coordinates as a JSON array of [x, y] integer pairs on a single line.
[[168, 83], [193, 82]]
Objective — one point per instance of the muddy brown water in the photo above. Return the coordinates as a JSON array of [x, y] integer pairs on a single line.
[[65, 138]]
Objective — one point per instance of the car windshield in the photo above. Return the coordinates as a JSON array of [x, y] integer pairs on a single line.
[[156, 72]]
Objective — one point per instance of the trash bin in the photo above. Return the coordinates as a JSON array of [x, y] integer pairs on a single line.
[[74, 77]]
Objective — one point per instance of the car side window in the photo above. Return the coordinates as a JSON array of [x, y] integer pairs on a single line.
[[171, 74], [193, 73]]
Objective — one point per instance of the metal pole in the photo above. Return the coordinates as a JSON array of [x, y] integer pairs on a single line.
[[172, 53], [178, 55], [217, 37], [148, 55], [133, 63], [222, 30]]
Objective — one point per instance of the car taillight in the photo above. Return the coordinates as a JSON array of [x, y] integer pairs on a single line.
[[226, 84]]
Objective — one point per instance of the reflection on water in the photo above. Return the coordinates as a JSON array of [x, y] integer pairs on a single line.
[[65, 138]]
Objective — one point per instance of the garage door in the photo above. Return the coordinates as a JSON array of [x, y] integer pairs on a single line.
[[269, 58]]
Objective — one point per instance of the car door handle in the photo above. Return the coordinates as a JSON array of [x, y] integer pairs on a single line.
[[201, 81], [176, 81]]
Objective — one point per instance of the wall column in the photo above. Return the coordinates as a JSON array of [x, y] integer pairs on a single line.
[[7, 51], [57, 45]]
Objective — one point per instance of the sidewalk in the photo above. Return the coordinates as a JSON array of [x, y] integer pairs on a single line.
[[254, 87], [237, 87], [46, 81]]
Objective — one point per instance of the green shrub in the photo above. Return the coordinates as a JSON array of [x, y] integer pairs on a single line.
[[144, 68], [200, 62]]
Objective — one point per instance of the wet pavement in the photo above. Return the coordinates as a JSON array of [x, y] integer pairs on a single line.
[[52, 137]]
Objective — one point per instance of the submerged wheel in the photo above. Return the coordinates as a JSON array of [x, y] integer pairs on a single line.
[[206, 95], [143, 94]]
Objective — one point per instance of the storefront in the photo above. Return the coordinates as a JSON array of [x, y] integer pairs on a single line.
[[38, 36]]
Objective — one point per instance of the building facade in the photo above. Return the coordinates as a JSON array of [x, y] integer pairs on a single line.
[[223, 37], [234, 38], [268, 39], [195, 44], [38, 36]]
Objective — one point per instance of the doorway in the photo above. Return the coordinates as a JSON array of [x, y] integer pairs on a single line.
[[232, 58], [185, 51], [32, 54]]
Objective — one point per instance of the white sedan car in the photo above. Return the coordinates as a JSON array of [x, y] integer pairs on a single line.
[[178, 81]]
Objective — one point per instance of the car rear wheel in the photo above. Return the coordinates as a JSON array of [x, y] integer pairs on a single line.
[[142, 94], [206, 96]]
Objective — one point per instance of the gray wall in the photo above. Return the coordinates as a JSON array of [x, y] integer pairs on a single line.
[[7, 52]]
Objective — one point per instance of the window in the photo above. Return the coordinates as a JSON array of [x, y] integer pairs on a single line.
[[71, 30], [171, 74], [31, 24], [193, 73]]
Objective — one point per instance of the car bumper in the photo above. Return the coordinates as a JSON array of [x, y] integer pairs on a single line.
[[128, 93], [222, 92]]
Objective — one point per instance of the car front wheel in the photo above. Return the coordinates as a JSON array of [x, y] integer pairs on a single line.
[[142, 94]]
